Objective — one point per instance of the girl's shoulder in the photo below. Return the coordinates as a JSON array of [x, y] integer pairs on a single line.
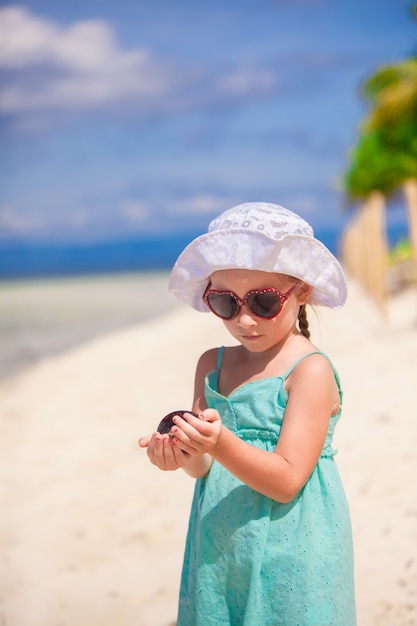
[[314, 371], [314, 361], [214, 356], [216, 359], [208, 361]]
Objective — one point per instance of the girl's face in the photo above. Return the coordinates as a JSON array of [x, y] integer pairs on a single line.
[[256, 333]]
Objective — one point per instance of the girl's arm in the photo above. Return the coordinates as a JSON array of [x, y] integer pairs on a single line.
[[312, 398], [198, 466], [160, 448]]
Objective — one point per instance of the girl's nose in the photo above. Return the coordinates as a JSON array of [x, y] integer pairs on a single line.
[[245, 319]]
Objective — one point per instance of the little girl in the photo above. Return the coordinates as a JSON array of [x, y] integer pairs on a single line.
[[269, 539]]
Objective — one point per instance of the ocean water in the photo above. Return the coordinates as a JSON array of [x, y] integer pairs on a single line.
[[44, 317], [88, 291], [36, 259]]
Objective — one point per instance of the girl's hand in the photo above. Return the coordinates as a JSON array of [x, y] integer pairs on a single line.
[[163, 453], [197, 435]]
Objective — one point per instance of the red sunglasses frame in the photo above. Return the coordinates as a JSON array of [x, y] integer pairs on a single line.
[[282, 296]]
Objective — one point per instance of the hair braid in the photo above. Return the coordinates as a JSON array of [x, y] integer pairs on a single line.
[[303, 322]]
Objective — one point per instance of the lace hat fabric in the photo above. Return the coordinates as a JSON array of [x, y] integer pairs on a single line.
[[259, 236]]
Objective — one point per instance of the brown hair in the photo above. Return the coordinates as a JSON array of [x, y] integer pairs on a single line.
[[303, 322], [302, 313]]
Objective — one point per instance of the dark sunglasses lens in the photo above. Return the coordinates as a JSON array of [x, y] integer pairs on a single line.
[[264, 304], [223, 304]]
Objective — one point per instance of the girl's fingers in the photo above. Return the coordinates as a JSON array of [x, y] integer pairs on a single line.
[[210, 415], [144, 441], [164, 454], [169, 453], [191, 426], [157, 449], [186, 446]]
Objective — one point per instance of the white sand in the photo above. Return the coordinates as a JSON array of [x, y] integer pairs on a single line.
[[91, 534]]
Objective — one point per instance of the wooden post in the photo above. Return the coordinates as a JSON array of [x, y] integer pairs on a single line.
[[410, 192], [364, 249]]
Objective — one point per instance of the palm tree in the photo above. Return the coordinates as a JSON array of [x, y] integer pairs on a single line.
[[383, 163], [392, 92], [373, 167]]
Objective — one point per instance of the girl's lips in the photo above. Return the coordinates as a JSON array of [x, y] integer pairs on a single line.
[[250, 337]]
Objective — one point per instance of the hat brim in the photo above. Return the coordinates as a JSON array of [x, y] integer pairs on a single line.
[[300, 256]]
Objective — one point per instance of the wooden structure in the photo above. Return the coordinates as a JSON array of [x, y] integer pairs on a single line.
[[364, 249], [410, 193], [365, 252]]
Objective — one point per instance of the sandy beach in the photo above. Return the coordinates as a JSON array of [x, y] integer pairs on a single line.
[[92, 534]]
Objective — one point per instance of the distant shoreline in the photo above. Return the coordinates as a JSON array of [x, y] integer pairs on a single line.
[[32, 260], [44, 317]]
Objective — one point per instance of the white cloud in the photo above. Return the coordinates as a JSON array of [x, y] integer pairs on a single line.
[[22, 223], [53, 69], [247, 80], [12, 222], [304, 203], [81, 66], [204, 204], [140, 213], [86, 46], [135, 212], [78, 218]]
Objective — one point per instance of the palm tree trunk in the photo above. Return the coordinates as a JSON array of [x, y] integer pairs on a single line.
[[364, 249], [410, 193]]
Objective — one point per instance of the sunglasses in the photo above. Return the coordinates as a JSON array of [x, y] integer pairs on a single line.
[[265, 303]]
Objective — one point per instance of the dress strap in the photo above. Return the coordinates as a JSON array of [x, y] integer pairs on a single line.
[[294, 365], [219, 357]]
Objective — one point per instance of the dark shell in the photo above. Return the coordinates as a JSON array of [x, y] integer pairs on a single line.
[[166, 423]]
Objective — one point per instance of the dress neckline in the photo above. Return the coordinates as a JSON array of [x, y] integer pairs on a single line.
[[215, 388], [283, 377]]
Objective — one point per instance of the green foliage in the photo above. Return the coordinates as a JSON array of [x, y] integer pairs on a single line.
[[371, 169], [392, 90], [401, 252], [386, 153]]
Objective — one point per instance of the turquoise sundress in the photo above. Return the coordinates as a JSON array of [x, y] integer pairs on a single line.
[[251, 561]]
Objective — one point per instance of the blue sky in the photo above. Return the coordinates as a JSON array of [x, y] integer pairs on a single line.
[[132, 118]]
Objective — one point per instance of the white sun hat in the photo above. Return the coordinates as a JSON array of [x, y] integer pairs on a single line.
[[259, 236]]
